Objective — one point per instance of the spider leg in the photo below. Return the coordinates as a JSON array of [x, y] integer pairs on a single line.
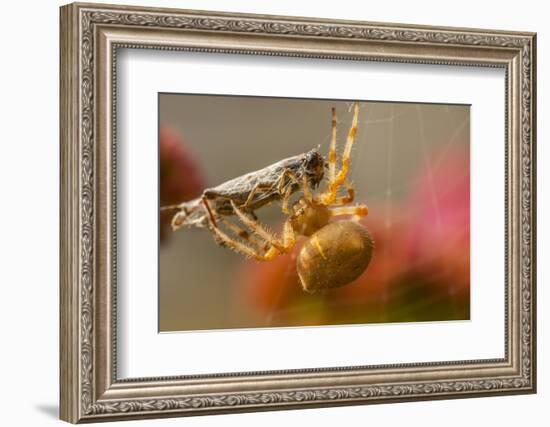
[[289, 235], [258, 253], [289, 239], [330, 195], [225, 240], [358, 211], [344, 200], [258, 229], [286, 198], [254, 249], [243, 234], [306, 188]]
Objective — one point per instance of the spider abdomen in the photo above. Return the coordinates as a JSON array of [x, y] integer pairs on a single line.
[[334, 256]]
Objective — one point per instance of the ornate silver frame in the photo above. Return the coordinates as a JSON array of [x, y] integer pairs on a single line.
[[90, 36]]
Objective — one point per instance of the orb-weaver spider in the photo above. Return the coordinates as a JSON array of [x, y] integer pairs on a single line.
[[335, 253]]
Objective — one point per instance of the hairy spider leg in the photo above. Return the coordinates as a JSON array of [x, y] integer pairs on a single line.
[[243, 234], [348, 198], [330, 195], [358, 211], [224, 239], [276, 246], [272, 246], [258, 253], [289, 239], [258, 228]]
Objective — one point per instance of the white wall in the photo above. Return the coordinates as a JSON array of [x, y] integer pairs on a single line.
[[29, 170]]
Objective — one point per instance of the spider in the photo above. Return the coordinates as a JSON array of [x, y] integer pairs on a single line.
[[335, 252]]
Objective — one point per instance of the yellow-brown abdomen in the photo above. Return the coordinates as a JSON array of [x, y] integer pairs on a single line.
[[334, 256]]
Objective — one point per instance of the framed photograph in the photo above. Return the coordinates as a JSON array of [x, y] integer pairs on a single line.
[[266, 212]]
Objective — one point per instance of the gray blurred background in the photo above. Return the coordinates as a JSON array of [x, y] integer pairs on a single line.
[[229, 136]]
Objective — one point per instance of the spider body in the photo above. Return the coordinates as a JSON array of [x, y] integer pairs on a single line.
[[307, 218], [334, 256]]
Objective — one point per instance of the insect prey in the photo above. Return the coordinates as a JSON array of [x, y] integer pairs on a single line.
[[250, 191]]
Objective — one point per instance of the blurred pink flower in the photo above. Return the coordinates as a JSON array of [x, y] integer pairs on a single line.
[[271, 284], [438, 237]]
